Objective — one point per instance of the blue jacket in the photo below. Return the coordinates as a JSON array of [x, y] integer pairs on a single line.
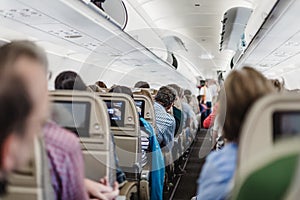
[[157, 173]]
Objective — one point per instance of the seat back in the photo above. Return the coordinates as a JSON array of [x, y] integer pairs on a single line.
[[270, 120], [269, 150], [32, 182], [275, 174], [126, 129], [85, 114], [145, 107]]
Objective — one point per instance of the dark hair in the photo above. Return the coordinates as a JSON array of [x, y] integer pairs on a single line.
[[121, 89], [69, 80], [178, 89], [237, 97], [277, 84], [142, 84], [101, 84], [15, 107], [187, 92], [165, 96], [11, 52]]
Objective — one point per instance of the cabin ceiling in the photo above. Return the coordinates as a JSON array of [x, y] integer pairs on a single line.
[[198, 24]]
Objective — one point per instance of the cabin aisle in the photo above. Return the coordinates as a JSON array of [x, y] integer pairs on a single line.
[[187, 186]]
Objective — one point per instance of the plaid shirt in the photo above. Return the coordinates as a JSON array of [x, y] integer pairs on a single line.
[[165, 124], [66, 163]]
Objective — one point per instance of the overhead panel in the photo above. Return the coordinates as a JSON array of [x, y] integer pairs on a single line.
[[234, 24], [78, 38]]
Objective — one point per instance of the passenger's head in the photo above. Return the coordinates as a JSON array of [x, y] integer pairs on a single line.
[[101, 84], [142, 84], [94, 88], [27, 61], [238, 96], [277, 85], [15, 110], [69, 80], [178, 89], [121, 89], [202, 83], [187, 92], [166, 96]]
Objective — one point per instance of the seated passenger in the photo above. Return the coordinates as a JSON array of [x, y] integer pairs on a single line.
[[69, 80], [191, 101], [142, 84], [101, 84], [26, 60], [23, 110], [279, 86], [177, 113], [220, 166], [165, 122], [16, 109], [67, 167]]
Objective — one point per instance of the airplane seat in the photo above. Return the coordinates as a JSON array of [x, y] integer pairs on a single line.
[[274, 174], [85, 114], [179, 136], [271, 119], [126, 129], [125, 126], [195, 104], [32, 181], [146, 108], [269, 140]]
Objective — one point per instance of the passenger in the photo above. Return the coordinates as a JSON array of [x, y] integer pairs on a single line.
[[202, 108], [29, 62], [16, 139], [157, 165], [189, 116], [101, 84], [209, 120], [142, 84], [165, 122], [220, 166], [278, 85], [177, 113], [23, 110], [192, 101], [206, 97], [94, 88], [69, 80], [67, 167]]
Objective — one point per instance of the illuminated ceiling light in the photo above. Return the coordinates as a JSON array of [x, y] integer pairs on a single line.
[[206, 56]]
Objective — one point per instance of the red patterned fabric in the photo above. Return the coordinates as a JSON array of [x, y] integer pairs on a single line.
[[66, 163]]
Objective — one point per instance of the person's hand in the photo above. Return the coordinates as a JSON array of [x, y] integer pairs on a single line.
[[101, 190], [114, 193], [97, 190]]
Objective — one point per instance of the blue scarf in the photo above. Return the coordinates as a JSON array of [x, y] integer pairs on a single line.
[[157, 173]]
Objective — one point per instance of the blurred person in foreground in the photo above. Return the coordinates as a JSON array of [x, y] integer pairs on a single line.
[[236, 98]]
